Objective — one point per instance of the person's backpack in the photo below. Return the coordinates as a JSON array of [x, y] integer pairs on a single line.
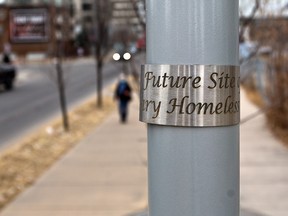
[[124, 91]]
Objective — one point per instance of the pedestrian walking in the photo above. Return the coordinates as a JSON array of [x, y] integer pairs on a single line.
[[123, 95], [6, 56]]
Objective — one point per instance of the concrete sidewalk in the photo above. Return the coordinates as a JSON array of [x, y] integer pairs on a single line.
[[264, 166], [105, 174]]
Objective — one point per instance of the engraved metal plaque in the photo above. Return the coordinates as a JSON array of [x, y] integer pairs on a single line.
[[190, 95]]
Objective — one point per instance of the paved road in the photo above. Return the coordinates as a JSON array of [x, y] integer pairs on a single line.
[[35, 98]]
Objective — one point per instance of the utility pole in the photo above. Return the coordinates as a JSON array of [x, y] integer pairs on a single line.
[[190, 100]]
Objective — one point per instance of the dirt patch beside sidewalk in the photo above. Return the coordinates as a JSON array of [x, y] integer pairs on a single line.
[[21, 165]]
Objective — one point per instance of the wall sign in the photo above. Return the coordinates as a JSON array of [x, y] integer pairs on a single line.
[[190, 95], [29, 25]]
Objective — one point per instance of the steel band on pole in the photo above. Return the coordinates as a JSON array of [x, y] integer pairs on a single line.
[[190, 95]]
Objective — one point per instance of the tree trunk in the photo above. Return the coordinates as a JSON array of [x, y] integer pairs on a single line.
[[62, 97], [99, 82]]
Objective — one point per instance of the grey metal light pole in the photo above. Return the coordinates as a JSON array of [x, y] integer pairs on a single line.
[[193, 170]]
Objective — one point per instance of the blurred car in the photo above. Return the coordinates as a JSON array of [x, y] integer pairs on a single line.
[[249, 49], [124, 53], [141, 44], [118, 56], [7, 76], [246, 49]]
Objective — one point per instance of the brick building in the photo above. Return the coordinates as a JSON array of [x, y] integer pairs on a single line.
[[32, 27]]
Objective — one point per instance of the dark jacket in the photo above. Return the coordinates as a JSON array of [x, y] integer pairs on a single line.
[[123, 91]]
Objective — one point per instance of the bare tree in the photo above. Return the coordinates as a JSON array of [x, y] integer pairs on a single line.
[[61, 31], [139, 8], [269, 29], [101, 20], [245, 22]]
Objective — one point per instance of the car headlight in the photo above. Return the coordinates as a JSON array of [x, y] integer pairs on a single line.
[[116, 56], [127, 56]]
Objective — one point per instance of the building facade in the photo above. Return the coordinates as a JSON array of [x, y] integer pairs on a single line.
[[33, 26], [122, 14]]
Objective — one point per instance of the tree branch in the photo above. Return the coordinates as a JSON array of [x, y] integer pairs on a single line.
[[247, 20], [141, 21]]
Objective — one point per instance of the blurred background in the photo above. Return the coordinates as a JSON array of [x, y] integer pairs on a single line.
[[263, 56], [45, 43], [57, 54]]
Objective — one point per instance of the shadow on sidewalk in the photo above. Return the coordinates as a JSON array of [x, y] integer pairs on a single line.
[[141, 213], [243, 212], [247, 212]]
